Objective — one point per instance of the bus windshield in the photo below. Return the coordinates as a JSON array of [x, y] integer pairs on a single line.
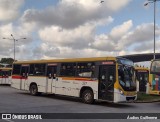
[[155, 67], [126, 77]]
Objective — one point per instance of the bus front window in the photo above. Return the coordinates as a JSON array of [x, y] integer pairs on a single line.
[[126, 77]]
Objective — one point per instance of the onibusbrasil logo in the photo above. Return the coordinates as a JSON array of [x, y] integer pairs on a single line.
[[21, 116]]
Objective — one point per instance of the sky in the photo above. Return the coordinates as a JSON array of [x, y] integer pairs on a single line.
[[77, 28]]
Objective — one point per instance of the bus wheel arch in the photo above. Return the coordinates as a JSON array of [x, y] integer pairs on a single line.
[[33, 88], [87, 95]]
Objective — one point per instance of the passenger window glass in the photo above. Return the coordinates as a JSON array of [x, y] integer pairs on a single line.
[[51, 71], [39, 69], [9, 73], [86, 69], [16, 69], [31, 71], [68, 69]]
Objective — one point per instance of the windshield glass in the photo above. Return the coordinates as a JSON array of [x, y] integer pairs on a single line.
[[125, 61], [155, 67], [126, 77]]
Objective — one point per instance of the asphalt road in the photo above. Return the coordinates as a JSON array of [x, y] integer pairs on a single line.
[[16, 101]]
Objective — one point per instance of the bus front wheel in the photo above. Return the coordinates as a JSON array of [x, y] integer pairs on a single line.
[[33, 90], [88, 97]]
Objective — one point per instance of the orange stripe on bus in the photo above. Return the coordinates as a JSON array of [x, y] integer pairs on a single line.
[[79, 79]]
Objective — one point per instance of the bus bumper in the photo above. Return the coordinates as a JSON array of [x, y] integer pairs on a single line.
[[120, 97]]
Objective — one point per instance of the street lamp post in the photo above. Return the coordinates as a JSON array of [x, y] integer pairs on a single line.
[[14, 43], [154, 46]]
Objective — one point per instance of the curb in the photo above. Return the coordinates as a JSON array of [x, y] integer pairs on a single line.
[[153, 101]]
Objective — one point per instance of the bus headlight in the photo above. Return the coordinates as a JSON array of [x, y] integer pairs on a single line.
[[121, 92]]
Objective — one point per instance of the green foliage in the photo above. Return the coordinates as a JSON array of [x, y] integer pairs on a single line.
[[7, 60], [147, 97]]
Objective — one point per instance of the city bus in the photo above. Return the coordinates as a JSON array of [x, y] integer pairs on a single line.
[[5, 75], [142, 78], [155, 77], [103, 78]]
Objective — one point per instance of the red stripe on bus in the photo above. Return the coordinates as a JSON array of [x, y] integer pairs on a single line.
[[18, 77], [3, 76]]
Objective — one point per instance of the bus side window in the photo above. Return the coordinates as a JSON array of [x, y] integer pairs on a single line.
[[51, 72], [31, 71], [9, 73], [16, 69], [39, 69], [68, 69], [86, 70]]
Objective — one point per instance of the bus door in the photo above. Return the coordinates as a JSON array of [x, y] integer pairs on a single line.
[[24, 77], [4, 77], [51, 78], [9, 77], [106, 82], [143, 79]]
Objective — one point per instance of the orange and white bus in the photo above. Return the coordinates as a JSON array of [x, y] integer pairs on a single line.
[[142, 78], [104, 78], [5, 75]]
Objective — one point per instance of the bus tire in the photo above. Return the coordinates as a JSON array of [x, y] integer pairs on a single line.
[[87, 96], [33, 90]]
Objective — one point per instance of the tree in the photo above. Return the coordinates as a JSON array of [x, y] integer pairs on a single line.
[[7, 60]]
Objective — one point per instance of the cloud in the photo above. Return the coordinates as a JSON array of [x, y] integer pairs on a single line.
[[147, 47], [69, 29], [17, 31], [126, 38], [68, 52], [45, 50], [103, 43], [119, 31], [111, 41], [22, 45], [23, 52], [77, 38], [115, 5], [143, 47], [142, 33], [74, 42], [73, 13], [9, 9]]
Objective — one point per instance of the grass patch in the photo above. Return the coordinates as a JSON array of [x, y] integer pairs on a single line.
[[147, 97]]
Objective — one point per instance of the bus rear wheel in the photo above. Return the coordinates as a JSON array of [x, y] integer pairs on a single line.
[[88, 97], [33, 90]]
